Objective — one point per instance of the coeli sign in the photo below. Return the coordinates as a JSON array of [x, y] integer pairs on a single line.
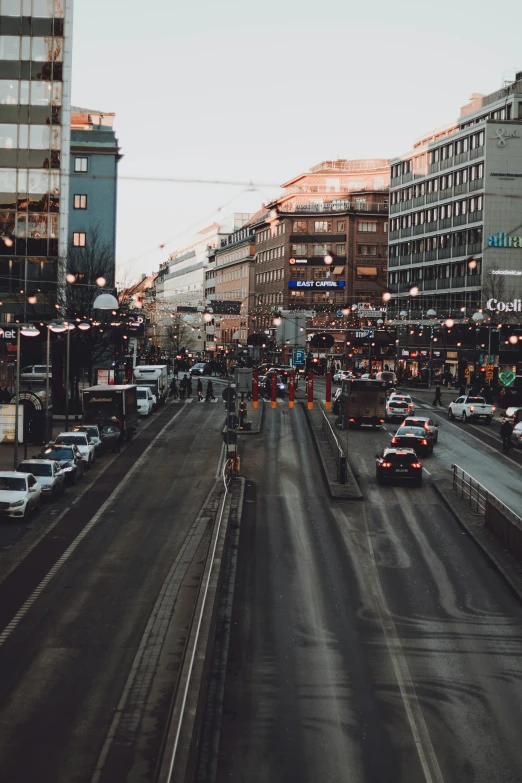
[[504, 240], [509, 307], [316, 284]]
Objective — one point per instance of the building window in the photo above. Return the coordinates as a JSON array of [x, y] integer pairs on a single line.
[[297, 294], [300, 227], [322, 250], [367, 250], [298, 250], [80, 201], [298, 274], [340, 249], [79, 238], [321, 274], [367, 225], [323, 226], [81, 165], [385, 227], [341, 225]]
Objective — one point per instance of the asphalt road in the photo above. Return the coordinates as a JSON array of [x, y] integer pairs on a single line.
[[370, 641], [69, 657]]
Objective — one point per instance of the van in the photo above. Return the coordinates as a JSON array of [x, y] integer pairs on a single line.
[[388, 377], [35, 372]]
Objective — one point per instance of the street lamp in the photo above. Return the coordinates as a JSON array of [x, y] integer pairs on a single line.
[[106, 302]]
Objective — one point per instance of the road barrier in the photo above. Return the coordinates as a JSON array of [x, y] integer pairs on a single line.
[[336, 449], [503, 522]]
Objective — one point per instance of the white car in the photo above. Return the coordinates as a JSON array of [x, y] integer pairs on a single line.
[[516, 437], [20, 493], [403, 398], [81, 440], [48, 474], [145, 400], [342, 375], [397, 409]]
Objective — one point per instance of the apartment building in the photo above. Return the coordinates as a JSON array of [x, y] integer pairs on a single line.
[[234, 283], [455, 211]]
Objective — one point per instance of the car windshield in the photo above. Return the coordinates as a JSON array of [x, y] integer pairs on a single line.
[[108, 429], [141, 394], [9, 484], [78, 440], [36, 470], [411, 431], [92, 432], [58, 454]]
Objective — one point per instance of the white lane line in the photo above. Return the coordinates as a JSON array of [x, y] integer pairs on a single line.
[[6, 633], [419, 729]]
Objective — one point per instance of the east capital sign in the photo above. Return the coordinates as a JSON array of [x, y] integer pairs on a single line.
[[316, 284], [504, 307]]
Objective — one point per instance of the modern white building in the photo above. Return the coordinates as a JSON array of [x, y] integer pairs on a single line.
[[456, 211]]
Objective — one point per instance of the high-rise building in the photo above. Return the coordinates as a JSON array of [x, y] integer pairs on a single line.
[[35, 79], [455, 212], [95, 155]]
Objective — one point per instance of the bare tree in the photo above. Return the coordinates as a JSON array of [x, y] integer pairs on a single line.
[[178, 334]]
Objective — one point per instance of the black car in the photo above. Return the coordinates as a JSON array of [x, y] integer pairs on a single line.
[[416, 438], [401, 464], [201, 368], [68, 457]]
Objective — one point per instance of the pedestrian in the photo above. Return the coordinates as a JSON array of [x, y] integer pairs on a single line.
[[118, 423], [174, 389], [188, 385], [183, 388], [437, 400], [210, 392], [199, 390]]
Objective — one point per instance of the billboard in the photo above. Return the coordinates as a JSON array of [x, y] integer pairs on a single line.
[[7, 423]]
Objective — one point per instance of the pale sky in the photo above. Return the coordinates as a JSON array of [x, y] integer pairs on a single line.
[[259, 92]]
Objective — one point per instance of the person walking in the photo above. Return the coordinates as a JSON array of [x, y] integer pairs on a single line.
[[188, 385], [174, 389], [506, 431], [183, 388], [199, 390], [210, 392], [437, 400]]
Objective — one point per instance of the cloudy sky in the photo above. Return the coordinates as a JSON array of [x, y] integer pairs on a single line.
[[247, 92]]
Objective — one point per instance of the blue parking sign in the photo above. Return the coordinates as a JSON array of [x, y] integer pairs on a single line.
[[298, 356]]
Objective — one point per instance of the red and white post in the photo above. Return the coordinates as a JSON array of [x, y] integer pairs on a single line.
[[328, 402], [310, 391], [255, 390], [291, 390], [274, 390]]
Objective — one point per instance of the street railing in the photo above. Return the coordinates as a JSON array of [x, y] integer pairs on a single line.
[[335, 447], [478, 497]]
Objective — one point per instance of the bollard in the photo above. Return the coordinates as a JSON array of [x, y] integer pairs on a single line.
[[255, 390], [291, 390], [343, 474], [310, 391], [328, 401], [274, 390]]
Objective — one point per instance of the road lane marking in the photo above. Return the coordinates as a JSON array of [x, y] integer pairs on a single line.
[[10, 627], [419, 729]]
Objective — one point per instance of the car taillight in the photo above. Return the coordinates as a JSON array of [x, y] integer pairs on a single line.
[[493, 409], [471, 408], [386, 465], [415, 464], [395, 440], [424, 442], [382, 421], [352, 420]]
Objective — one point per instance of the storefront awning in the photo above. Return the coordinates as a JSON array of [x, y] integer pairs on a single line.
[[367, 271]]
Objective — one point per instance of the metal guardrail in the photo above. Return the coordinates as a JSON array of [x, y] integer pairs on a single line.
[[478, 497], [336, 449]]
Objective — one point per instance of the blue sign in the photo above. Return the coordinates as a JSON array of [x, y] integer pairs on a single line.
[[298, 356], [371, 333], [339, 314], [316, 284], [136, 323]]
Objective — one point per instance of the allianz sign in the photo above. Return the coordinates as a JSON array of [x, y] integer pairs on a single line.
[[503, 240]]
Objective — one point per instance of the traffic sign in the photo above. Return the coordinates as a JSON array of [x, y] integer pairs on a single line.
[[232, 422], [298, 356], [229, 436], [339, 314], [229, 394]]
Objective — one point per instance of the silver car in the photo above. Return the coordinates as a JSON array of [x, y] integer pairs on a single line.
[[422, 421], [48, 474]]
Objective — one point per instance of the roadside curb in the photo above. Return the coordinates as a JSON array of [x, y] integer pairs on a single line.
[[337, 491], [513, 574]]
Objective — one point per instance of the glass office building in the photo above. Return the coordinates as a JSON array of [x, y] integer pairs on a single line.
[[35, 76]]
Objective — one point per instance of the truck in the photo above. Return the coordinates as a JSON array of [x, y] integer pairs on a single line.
[[468, 408], [156, 377], [362, 402], [104, 402]]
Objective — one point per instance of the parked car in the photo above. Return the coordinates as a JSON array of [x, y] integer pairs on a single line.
[[20, 493], [35, 372], [468, 408], [342, 375], [68, 458], [514, 414], [49, 475], [82, 442], [398, 463], [336, 402], [94, 434], [416, 438], [423, 421], [145, 400], [201, 368], [516, 437]]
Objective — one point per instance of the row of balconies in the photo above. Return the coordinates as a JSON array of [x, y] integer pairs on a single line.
[[439, 195], [440, 284], [433, 255], [437, 225]]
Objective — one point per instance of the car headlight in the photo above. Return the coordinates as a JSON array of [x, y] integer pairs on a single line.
[[17, 504]]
